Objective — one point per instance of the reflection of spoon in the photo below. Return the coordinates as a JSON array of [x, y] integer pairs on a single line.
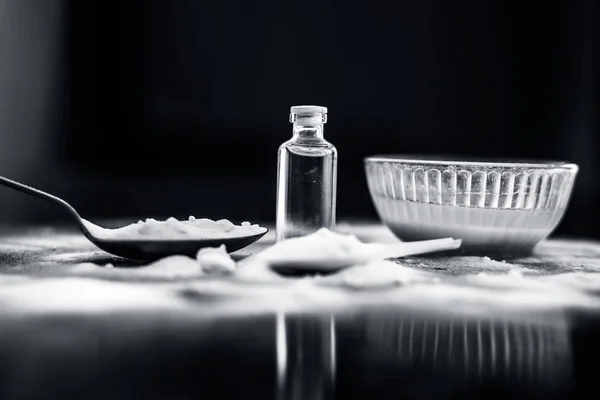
[[138, 249]]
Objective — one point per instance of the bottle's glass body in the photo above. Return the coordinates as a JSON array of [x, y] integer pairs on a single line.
[[306, 181]]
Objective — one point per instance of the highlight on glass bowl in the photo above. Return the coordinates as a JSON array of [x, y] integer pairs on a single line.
[[493, 206]]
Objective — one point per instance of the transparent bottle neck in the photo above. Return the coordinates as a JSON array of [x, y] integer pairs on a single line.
[[308, 132]]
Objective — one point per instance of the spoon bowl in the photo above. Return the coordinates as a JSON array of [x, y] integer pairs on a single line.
[[150, 250], [154, 249], [138, 249]]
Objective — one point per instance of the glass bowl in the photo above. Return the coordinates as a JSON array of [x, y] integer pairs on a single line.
[[495, 207]]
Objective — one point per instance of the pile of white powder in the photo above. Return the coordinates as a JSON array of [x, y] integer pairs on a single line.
[[173, 229]]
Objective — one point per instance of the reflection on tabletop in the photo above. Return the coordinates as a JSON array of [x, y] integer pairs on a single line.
[[372, 352]]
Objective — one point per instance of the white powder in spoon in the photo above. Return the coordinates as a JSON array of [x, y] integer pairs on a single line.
[[173, 229]]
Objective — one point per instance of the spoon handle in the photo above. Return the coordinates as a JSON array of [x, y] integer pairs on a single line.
[[42, 195], [420, 247]]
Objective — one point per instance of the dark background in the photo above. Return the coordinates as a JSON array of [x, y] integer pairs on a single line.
[[155, 108]]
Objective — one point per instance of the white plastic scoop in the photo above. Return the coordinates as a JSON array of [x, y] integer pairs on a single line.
[[327, 251]]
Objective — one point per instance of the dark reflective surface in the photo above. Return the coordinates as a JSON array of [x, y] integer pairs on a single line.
[[367, 353], [399, 355]]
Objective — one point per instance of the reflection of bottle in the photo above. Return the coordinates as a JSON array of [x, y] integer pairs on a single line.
[[306, 357], [306, 176]]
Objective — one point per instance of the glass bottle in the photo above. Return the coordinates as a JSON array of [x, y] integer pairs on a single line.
[[306, 176]]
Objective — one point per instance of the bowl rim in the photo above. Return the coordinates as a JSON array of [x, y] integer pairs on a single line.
[[470, 161]]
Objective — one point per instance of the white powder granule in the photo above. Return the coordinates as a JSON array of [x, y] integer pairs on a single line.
[[215, 260]]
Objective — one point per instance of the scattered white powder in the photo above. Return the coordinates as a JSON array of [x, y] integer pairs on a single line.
[[513, 279], [257, 270], [168, 268], [173, 229], [215, 260], [323, 251], [379, 274], [488, 262], [256, 286], [209, 261], [576, 280], [84, 295], [174, 267], [516, 273], [352, 264]]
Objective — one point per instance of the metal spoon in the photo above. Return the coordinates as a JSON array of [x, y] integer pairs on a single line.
[[138, 249]]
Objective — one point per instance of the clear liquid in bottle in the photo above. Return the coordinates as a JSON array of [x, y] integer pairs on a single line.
[[306, 176]]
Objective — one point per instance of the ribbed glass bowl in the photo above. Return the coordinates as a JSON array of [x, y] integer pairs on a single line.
[[494, 207]]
